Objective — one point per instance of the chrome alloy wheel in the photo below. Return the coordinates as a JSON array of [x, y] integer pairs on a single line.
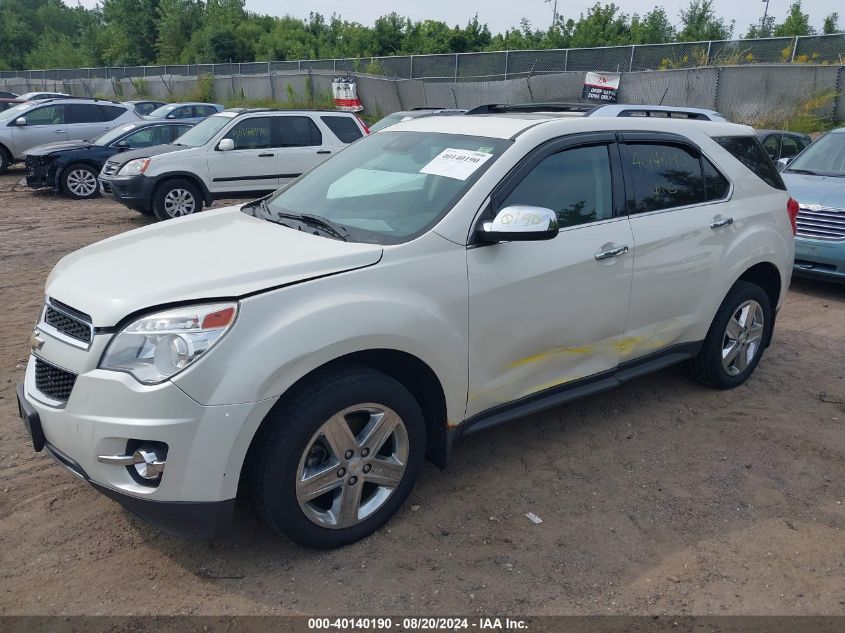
[[179, 202], [743, 337], [82, 183], [352, 465]]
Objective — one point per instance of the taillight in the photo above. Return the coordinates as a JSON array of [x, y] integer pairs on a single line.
[[792, 210], [363, 125]]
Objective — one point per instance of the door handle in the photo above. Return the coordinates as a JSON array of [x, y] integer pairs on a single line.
[[610, 253], [719, 221], [324, 151], [266, 155], [58, 131]]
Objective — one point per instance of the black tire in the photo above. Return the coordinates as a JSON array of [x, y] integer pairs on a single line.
[[289, 432], [76, 182], [707, 367], [5, 160], [190, 194], [142, 211]]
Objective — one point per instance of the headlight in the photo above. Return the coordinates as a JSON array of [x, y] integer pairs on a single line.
[[134, 167], [159, 346]]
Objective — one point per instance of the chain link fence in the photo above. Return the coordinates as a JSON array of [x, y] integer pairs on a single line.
[[501, 65]]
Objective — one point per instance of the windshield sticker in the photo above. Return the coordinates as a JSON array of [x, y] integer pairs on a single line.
[[459, 164]]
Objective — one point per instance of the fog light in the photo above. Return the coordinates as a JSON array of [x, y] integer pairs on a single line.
[[148, 464], [145, 463]]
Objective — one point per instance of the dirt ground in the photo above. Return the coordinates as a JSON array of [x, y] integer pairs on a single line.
[[660, 497]]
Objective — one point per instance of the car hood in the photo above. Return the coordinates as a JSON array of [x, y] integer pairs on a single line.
[[146, 152], [214, 254], [49, 148], [826, 191]]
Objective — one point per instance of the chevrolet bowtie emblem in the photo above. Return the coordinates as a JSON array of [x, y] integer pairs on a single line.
[[35, 341]]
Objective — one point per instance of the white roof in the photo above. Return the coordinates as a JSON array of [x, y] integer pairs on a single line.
[[510, 125]]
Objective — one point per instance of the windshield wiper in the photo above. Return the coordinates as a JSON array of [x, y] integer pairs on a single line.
[[808, 172], [319, 221]]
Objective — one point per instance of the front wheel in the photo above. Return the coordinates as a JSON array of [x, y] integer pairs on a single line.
[[176, 198], [339, 459], [79, 182], [736, 339]]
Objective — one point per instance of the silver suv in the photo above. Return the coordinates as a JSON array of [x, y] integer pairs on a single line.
[[67, 119]]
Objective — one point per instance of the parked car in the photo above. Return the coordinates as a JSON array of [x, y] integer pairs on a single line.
[[5, 94], [144, 108], [583, 108], [39, 96], [407, 115], [781, 144], [34, 123], [72, 166], [192, 112], [816, 179], [236, 152], [429, 281], [9, 102]]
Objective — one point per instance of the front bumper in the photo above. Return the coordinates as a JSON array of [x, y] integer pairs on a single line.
[[135, 192], [107, 409], [819, 259], [38, 173]]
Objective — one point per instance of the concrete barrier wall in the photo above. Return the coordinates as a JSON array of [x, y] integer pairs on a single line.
[[743, 93]]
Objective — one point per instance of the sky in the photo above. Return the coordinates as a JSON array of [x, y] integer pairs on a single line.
[[503, 14]]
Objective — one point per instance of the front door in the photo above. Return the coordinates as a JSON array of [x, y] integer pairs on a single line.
[[43, 125], [252, 165], [543, 314]]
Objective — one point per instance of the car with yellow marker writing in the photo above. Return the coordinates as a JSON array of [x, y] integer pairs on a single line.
[[311, 349]]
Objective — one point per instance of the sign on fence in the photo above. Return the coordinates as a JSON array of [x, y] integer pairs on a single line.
[[345, 93], [601, 87]]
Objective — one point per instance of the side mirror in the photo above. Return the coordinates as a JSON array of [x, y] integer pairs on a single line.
[[783, 162], [20, 121], [123, 145], [520, 223], [226, 145]]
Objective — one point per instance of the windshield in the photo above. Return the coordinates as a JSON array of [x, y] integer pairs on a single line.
[[205, 130], [825, 157], [162, 112], [15, 112], [107, 137], [390, 187], [390, 119]]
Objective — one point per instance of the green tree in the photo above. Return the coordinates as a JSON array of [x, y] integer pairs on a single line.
[[653, 28], [763, 28], [699, 22], [831, 24], [604, 25], [796, 23]]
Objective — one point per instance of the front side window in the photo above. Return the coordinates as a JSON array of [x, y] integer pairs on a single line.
[[663, 176], [298, 131], [149, 136], [254, 133], [48, 115], [389, 187], [792, 146], [575, 184]]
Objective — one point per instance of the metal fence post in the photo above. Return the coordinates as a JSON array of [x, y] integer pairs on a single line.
[[707, 59], [411, 72], [456, 68], [507, 55], [794, 50], [566, 60], [631, 63]]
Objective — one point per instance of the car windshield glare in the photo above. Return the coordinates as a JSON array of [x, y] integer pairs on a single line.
[[14, 112], [204, 131], [825, 157], [389, 187], [107, 137]]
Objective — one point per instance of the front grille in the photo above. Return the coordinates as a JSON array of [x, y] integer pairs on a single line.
[[69, 322], [821, 223], [53, 382], [109, 168]]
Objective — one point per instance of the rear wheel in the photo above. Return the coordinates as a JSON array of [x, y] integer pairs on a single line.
[[176, 198], [79, 182], [735, 342], [340, 458]]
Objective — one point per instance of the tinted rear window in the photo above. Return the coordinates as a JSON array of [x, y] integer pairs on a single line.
[[344, 128], [748, 151]]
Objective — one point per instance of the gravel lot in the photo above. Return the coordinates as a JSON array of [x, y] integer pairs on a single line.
[[660, 497]]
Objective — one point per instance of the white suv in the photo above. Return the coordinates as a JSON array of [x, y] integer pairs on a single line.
[[229, 154], [36, 123], [432, 280]]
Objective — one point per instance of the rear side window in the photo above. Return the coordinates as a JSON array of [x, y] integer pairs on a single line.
[[663, 176], [748, 151], [110, 112], [298, 131], [343, 127], [83, 113]]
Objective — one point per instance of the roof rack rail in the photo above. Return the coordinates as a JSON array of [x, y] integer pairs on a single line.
[[501, 108]]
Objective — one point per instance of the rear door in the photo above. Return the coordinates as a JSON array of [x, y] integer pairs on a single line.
[[300, 146], [252, 165], [43, 125], [682, 230]]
